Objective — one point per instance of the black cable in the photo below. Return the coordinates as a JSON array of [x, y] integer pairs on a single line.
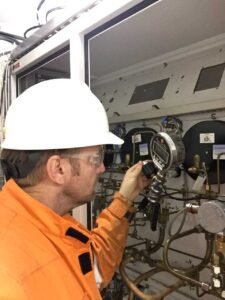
[[2, 54], [182, 199], [31, 28], [38, 21], [171, 189], [51, 10], [38, 8], [12, 36], [198, 196], [40, 4], [6, 39], [177, 198], [9, 39]]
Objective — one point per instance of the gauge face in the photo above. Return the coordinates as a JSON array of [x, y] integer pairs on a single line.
[[167, 150]]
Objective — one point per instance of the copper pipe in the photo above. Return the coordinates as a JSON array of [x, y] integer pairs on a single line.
[[158, 244], [132, 285], [184, 274]]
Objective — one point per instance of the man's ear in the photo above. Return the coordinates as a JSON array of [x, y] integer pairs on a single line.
[[56, 169]]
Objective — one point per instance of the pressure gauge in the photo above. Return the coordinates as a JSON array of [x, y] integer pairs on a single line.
[[211, 216], [167, 150]]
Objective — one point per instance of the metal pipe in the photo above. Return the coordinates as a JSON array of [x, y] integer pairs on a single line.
[[204, 262], [158, 244], [133, 285], [182, 211]]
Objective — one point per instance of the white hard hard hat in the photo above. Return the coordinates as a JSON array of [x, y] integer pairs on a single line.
[[57, 114]]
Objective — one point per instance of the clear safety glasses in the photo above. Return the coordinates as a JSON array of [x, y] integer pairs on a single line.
[[95, 159]]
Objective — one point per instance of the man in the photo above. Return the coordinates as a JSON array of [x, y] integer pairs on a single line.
[[52, 156]]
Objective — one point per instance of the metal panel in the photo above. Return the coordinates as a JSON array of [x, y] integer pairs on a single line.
[[210, 77], [148, 92]]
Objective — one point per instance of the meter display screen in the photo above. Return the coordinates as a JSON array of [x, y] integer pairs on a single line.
[[162, 154], [167, 151]]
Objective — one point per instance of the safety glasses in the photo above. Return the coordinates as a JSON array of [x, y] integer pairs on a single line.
[[95, 159]]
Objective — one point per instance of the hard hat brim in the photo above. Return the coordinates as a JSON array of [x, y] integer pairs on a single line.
[[113, 139], [108, 139]]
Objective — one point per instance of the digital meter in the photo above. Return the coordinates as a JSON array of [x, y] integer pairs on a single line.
[[167, 150]]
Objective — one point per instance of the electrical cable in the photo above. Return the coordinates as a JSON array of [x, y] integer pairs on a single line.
[[52, 10], [177, 198], [13, 36], [6, 39], [38, 20], [31, 28], [37, 11], [10, 38]]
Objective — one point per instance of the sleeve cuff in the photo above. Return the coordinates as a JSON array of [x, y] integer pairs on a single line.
[[120, 206]]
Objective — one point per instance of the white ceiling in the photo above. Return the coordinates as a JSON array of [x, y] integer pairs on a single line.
[[15, 18], [166, 26], [18, 16]]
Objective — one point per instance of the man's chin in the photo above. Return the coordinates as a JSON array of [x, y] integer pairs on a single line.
[[90, 198]]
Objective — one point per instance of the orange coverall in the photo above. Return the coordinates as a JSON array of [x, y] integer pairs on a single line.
[[44, 256]]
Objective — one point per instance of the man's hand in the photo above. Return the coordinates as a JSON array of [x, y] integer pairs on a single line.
[[133, 182]]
